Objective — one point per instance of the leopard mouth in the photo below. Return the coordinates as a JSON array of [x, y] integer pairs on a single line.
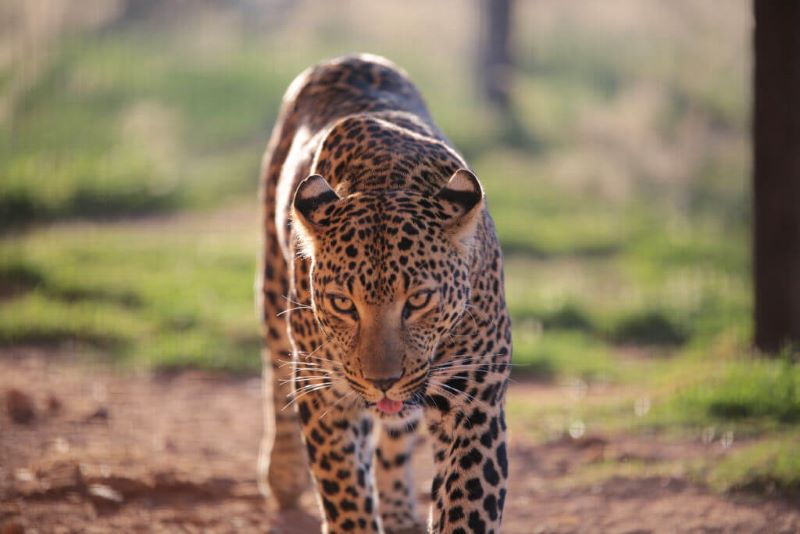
[[389, 406], [411, 395]]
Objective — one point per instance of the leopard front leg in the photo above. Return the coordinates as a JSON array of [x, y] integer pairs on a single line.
[[394, 475], [340, 452], [470, 455], [282, 470]]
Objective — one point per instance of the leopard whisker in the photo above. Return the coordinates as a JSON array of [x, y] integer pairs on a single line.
[[321, 359], [470, 359], [470, 305], [305, 390], [474, 321], [287, 310], [335, 404], [452, 371], [296, 363], [453, 390], [302, 369], [305, 379], [309, 354], [307, 386], [290, 301]]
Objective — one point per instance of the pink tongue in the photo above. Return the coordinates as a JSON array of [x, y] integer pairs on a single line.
[[390, 406]]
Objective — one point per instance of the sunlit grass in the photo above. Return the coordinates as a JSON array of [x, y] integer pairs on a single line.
[[753, 394], [145, 296], [117, 127], [770, 466], [556, 354]]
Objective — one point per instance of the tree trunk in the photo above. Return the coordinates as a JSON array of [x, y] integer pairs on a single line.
[[776, 174], [494, 55]]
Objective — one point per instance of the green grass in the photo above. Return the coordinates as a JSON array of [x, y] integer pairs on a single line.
[[143, 296], [551, 355], [769, 467], [745, 393], [116, 127]]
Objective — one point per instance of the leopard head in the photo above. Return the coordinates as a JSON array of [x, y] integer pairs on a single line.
[[389, 278]]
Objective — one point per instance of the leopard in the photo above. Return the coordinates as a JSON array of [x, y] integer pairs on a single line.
[[380, 291]]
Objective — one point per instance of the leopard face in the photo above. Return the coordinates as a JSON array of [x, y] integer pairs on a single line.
[[389, 279]]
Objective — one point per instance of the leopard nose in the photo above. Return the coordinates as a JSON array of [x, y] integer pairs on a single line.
[[383, 384]]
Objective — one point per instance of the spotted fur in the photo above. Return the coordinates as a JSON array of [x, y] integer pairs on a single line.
[[381, 282]]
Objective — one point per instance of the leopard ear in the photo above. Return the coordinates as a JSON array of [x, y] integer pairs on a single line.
[[309, 213], [463, 199]]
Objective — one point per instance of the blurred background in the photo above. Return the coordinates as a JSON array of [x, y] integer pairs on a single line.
[[613, 140]]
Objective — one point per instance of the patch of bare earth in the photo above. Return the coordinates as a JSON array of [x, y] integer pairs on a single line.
[[87, 449]]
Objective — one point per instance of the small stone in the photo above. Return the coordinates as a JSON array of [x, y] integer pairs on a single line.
[[61, 445], [19, 406], [102, 494], [23, 474]]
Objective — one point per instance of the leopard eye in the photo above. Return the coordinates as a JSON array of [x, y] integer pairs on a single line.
[[342, 304], [417, 301]]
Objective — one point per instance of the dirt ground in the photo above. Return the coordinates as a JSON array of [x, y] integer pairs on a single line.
[[93, 450]]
